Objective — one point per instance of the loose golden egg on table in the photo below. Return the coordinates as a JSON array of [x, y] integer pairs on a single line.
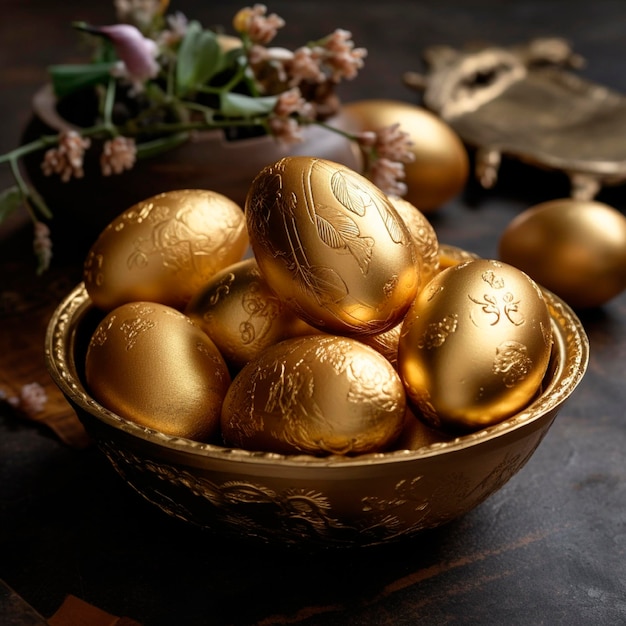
[[475, 345], [440, 169], [320, 394], [150, 364], [165, 248], [574, 248], [332, 246], [242, 315]]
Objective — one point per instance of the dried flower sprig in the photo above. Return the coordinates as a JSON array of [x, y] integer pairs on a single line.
[[160, 78]]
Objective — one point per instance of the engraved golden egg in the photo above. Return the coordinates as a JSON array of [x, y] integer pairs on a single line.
[[574, 248], [165, 248], [424, 236], [242, 315], [320, 394], [331, 245], [150, 364], [475, 345], [440, 169]]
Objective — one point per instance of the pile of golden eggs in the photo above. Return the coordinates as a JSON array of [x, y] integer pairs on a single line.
[[325, 318]]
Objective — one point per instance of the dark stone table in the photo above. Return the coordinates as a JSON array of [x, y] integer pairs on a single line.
[[548, 548]]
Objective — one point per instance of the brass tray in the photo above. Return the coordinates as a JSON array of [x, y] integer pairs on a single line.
[[524, 102]]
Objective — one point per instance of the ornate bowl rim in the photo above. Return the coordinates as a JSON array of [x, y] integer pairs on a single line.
[[568, 365]]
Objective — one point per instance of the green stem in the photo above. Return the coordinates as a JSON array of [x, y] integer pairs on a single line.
[[109, 102], [29, 197]]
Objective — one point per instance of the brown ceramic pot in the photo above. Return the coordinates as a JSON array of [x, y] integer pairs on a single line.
[[209, 161]]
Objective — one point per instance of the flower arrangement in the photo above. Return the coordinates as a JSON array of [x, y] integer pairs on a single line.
[[161, 77]]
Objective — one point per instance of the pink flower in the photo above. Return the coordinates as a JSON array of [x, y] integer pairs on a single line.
[[341, 56], [136, 52], [67, 159], [291, 101], [260, 28], [118, 154], [306, 65], [31, 400], [386, 151]]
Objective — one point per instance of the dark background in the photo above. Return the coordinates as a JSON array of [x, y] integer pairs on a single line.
[[549, 548]]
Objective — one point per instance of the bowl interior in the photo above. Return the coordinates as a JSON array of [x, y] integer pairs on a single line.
[[73, 322]]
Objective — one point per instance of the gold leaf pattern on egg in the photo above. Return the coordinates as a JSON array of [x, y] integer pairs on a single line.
[[513, 362], [101, 334], [505, 307], [262, 309], [221, 290], [133, 328], [349, 193], [436, 333], [324, 284], [368, 385], [354, 197], [338, 230]]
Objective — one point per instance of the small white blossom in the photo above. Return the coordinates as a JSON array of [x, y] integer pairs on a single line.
[[117, 155], [31, 400], [67, 159]]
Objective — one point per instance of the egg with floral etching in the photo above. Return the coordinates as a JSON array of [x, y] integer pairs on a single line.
[[150, 364], [423, 233], [475, 346], [332, 246], [165, 248], [320, 394], [242, 315]]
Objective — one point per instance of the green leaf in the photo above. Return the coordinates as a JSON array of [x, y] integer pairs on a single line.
[[67, 79], [199, 58], [240, 105], [10, 200]]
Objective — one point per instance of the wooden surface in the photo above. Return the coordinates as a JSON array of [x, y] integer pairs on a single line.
[[549, 548]]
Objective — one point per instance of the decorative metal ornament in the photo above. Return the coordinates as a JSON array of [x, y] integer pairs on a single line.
[[524, 102]]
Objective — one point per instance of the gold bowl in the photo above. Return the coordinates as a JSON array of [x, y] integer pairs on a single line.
[[364, 500]]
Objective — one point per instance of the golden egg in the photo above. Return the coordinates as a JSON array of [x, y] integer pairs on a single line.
[[331, 245], [417, 434], [242, 315], [441, 166], [320, 394], [165, 248], [574, 248], [475, 345], [386, 343], [423, 233], [150, 364], [450, 256]]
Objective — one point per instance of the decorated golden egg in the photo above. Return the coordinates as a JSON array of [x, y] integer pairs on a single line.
[[386, 343], [150, 364], [417, 434], [165, 248], [441, 166], [450, 256], [242, 315], [475, 345], [574, 248], [423, 233], [320, 394], [331, 245]]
